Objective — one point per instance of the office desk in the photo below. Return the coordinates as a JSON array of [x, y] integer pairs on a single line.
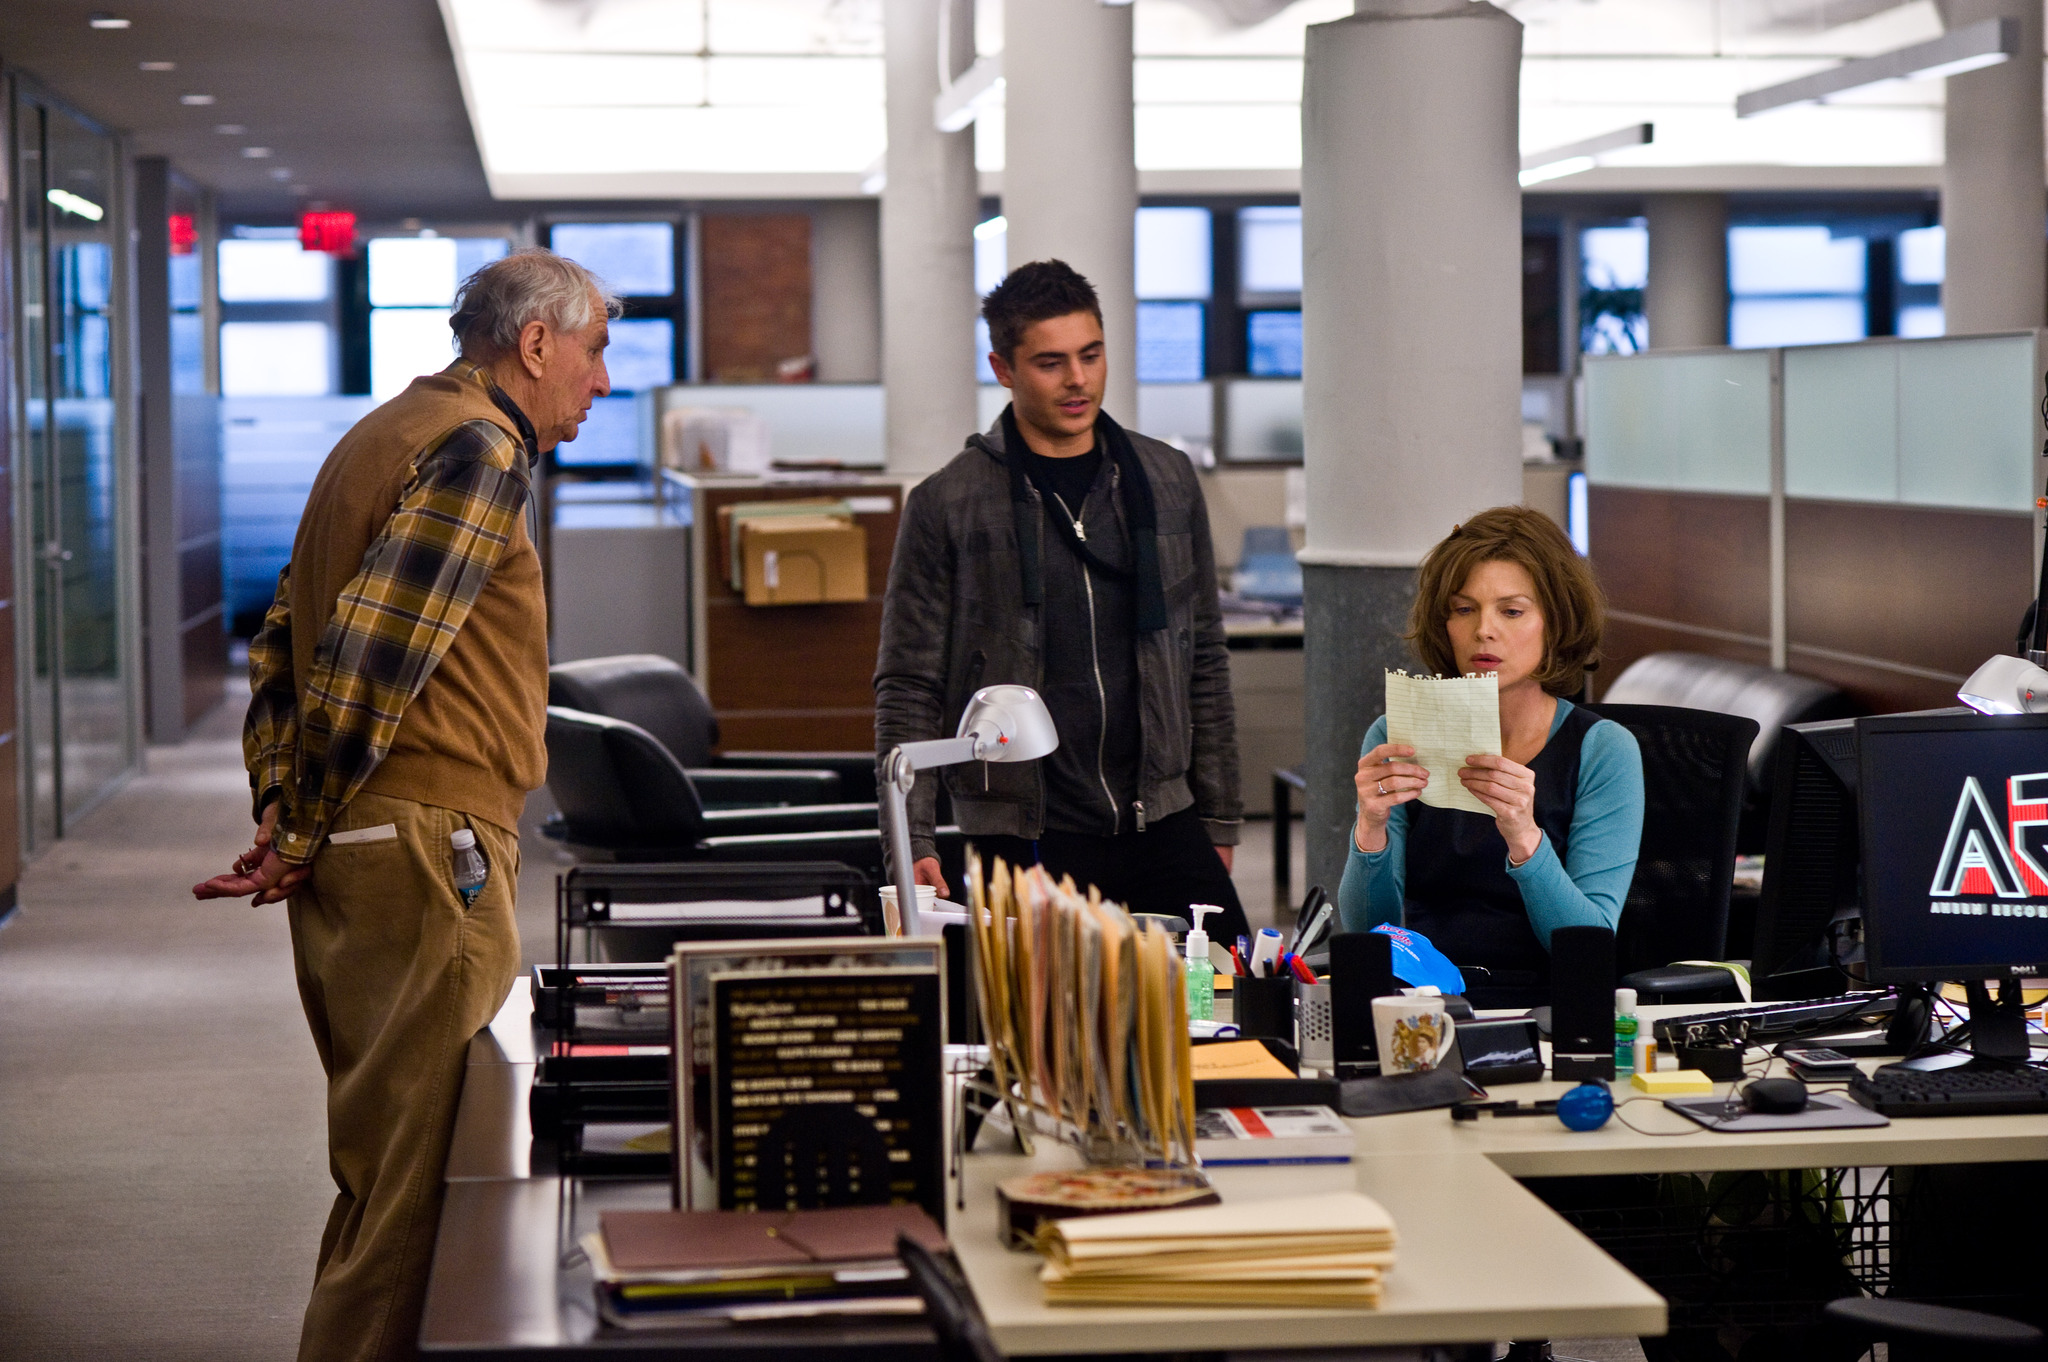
[[1480, 1258]]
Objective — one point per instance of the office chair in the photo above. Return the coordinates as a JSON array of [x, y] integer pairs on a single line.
[[1695, 764], [658, 695], [624, 797], [1772, 698], [948, 1305], [1930, 1330]]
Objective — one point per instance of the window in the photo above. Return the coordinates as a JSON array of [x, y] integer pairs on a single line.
[[991, 263], [1614, 268], [273, 272], [1170, 339], [1273, 344], [1269, 250], [412, 290], [1798, 285], [277, 316], [1923, 265], [636, 259], [276, 359], [1174, 276]]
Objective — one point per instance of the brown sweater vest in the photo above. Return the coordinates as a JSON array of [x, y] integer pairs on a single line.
[[472, 739]]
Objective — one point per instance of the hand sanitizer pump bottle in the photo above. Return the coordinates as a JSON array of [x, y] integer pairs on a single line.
[[1201, 973], [1625, 1024]]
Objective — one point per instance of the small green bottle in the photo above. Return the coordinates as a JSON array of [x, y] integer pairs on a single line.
[[1201, 973], [1624, 1032]]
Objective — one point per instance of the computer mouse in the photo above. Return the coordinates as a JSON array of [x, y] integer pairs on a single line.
[[1775, 1097]]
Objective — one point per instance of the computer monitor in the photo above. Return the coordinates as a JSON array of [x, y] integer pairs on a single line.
[[1954, 815], [1810, 862]]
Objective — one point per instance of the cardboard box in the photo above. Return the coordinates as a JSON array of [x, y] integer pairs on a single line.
[[803, 560]]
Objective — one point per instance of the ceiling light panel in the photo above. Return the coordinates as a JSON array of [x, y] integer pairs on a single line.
[[1217, 80], [578, 79], [767, 82], [713, 140], [595, 26]]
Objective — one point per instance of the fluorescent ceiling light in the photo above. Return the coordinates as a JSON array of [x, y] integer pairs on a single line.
[[106, 21], [994, 227], [1969, 48], [158, 65], [978, 87], [1575, 157], [197, 101], [256, 153], [76, 205], [230, 129]]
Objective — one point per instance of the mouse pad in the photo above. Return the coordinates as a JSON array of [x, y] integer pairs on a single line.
[[1824, 1111]]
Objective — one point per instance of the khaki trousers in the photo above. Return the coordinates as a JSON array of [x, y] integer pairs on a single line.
[[396, 974]]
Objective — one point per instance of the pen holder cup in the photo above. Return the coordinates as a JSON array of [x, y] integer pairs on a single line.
[[1264, 1007], [1312, 1020]]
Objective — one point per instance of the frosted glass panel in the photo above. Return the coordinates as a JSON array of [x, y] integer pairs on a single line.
[[1841, 423], [1699, 423], [1966, 423]]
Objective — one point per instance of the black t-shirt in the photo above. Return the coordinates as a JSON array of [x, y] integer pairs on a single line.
[[1070, 478]]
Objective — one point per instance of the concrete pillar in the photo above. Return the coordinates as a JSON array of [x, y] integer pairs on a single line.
[[846, 288], [1687, 298], [1412, 346], [1070, 180], [929, 205], [1993, 201]]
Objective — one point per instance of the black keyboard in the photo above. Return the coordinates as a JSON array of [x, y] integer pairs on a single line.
[[1777, 1021], [1967, 1091]]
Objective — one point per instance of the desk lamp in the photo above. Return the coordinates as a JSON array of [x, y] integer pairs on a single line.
[[1001, 723]]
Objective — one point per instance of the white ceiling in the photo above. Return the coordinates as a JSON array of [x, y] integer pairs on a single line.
[[656, 98]]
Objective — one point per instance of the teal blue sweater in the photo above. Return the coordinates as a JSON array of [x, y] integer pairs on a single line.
[[1586, 888]]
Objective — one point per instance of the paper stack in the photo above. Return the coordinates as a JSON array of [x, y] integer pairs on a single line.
[[664, 1269], [1329, 1250]]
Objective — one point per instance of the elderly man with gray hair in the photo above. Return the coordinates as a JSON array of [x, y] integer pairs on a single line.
[[400, 683]]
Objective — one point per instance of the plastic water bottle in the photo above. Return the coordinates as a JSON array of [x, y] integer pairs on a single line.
[[471, 870]]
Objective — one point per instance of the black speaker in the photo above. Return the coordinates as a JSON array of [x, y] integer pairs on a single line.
[[1582, 1003], [1361, 969]]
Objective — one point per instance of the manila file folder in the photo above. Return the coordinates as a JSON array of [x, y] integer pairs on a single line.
[[803, 560]]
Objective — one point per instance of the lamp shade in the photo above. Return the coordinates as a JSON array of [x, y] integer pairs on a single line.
[[2006, 685], [1008, 723]]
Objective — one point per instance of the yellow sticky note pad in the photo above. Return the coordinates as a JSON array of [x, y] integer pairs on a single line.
[[1673, 1082]]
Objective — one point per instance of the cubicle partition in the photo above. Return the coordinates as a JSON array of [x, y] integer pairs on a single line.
[[1862, 513]]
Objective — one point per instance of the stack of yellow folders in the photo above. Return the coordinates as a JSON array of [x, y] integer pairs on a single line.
[[1329, 1250]]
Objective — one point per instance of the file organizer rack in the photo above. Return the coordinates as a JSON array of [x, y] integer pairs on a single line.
[[571, 1092]]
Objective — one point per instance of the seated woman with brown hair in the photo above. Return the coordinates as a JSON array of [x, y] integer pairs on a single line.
[[1505, 593]]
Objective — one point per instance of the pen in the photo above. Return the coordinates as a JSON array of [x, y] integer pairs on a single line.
[[1237, 960], [1244, 955]]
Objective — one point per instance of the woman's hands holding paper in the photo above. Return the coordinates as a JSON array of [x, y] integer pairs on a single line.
[[1385, 778], [1509, 789]]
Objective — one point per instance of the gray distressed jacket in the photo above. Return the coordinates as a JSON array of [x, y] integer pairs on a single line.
[[954, 620]]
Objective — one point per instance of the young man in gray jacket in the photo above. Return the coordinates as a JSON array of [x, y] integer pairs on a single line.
[[1060, 552]]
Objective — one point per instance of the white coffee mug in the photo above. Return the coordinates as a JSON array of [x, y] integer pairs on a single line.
[[1414, 1034], [892, 920]]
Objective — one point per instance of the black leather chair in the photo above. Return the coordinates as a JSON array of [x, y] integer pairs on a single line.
[[658, 695], [1772, 698], [623, 796], [1695, 765]]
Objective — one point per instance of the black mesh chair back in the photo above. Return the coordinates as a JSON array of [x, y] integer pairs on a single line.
[[617, 785], [948, 1305], [644, 689], [1695, 764]]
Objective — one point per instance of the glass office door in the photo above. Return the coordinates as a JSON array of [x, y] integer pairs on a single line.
[[79, 714]]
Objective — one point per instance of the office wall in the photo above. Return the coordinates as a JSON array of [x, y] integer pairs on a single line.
[[10, 726], [1860, 513]]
